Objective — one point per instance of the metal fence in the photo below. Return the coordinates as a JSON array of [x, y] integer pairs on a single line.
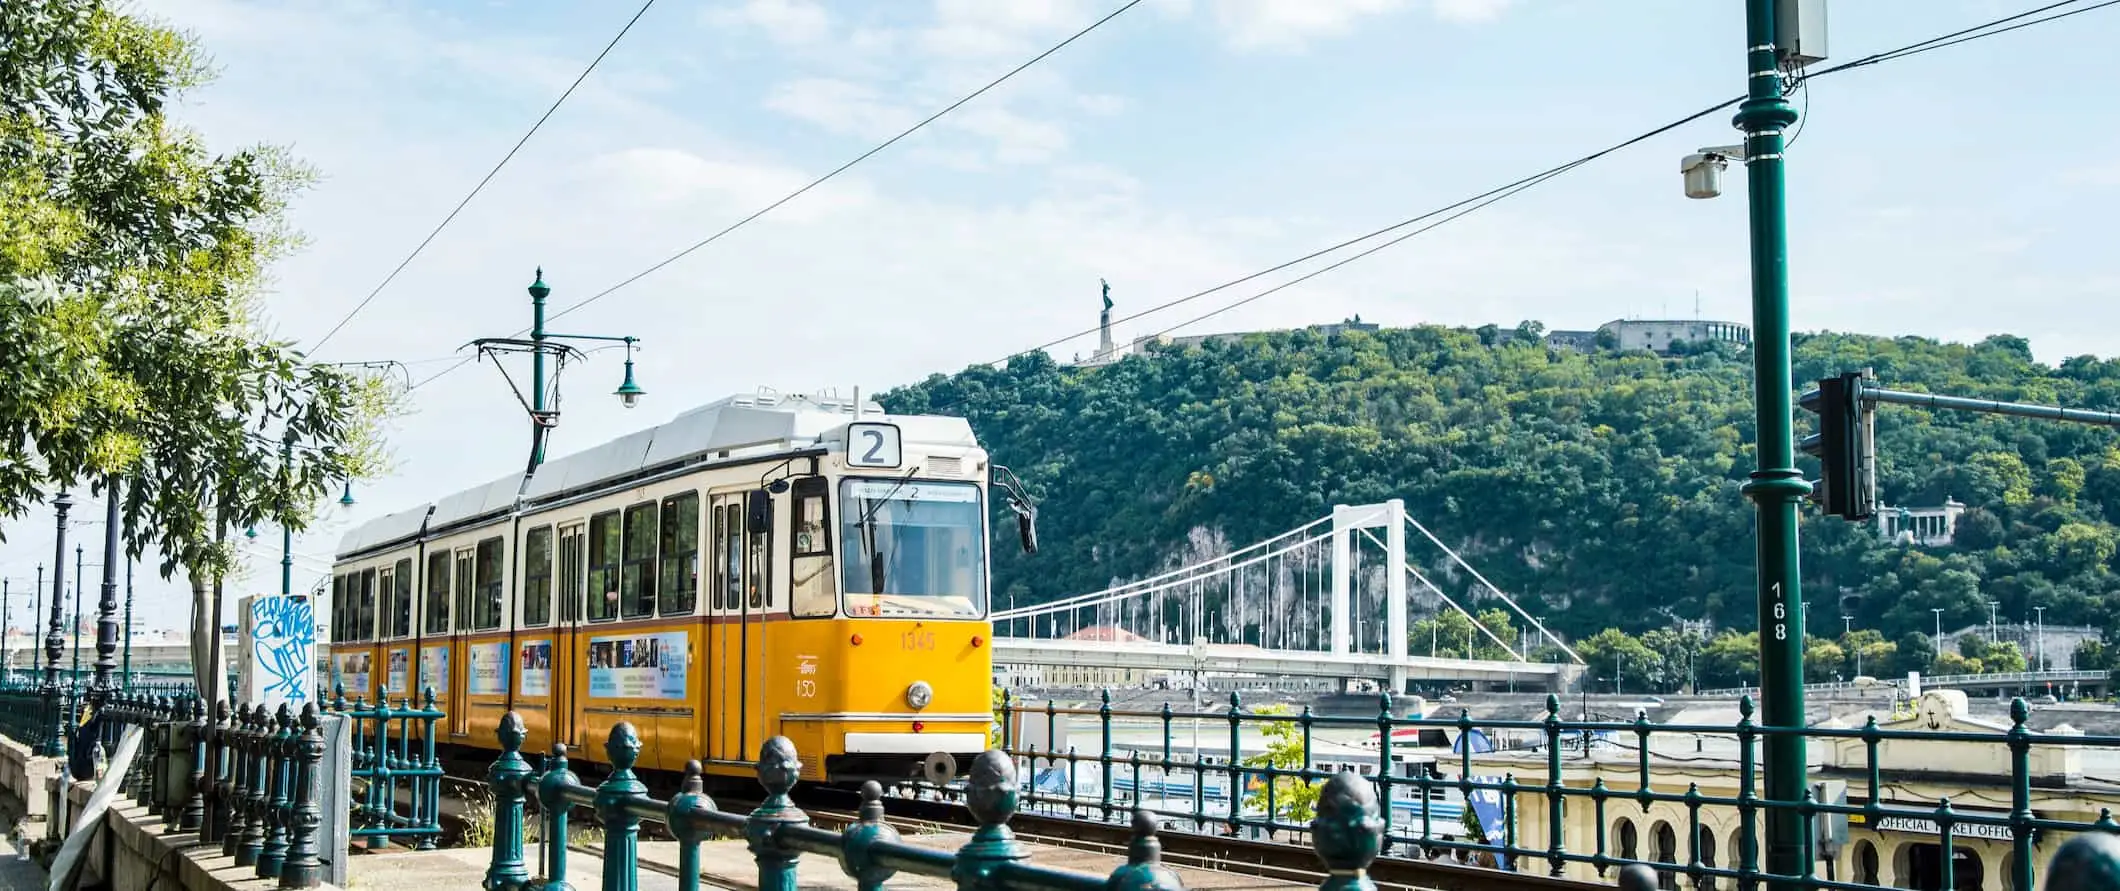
[[393, 758], [1348, 832], [243, 779], [1584, 797]]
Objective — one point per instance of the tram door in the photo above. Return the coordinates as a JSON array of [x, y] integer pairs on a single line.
[[728, 706], [567, 660]]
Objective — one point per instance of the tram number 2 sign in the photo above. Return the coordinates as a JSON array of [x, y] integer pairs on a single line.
[[870, 444]]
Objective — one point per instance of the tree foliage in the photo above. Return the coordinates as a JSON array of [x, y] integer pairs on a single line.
[[1295, 799], [131, 259], [1600, 488]]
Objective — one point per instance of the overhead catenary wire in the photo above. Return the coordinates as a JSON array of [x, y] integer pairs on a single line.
[[879, 147], [1451, 212], [475, 190], [1460, 208]]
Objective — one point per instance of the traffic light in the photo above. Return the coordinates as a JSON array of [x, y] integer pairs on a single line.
[[1844, 445]]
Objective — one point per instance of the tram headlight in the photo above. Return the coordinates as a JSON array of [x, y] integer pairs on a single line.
[[919, 695]]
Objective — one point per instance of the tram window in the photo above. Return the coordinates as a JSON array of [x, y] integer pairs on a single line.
[[537, 576], [757, 566], [364, 623], [486, 609], [813, 528], [810, 582], [387, 591], [636, 574], [717, 547], [603, 567], [438, 593], [464, 568], [732, 556], [680, 555], [338, 607], [401, 601], [570, 574]]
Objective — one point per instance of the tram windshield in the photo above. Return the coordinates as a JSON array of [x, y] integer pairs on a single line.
[[912, 548]]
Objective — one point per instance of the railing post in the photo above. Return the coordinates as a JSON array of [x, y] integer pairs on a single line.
[[552, 803], [1144, 869], [1347, 832], [301, 869], [252, 842], [278, 760], [1637, 877], [683, 820], [218, 813], [2088, 862], [854, 844], [991, 795], [778, 768], [506, 871], [194, 810], [239, 781], [613, 797], [428, 795], [2020, 743]]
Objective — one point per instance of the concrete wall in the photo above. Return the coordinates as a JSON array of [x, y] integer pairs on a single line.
[[27, 778]]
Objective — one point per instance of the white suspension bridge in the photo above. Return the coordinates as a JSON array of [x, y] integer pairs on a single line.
[[1328, 599]]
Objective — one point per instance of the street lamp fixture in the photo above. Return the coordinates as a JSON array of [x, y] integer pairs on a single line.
[[629, 393], [346, 500], [1703, 169]]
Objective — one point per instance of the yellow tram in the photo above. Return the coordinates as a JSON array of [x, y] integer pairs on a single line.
[[765, 565]]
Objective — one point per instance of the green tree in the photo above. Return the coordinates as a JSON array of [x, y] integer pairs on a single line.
[[1294, 799], [1612, 655], [131, 260]]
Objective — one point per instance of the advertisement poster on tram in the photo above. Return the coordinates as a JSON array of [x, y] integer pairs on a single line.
[[394, 682], [537, 668], [646, 666], [489, 668], [434, 669], [351, 674]]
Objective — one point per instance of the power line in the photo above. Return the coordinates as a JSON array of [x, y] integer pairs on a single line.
[[328, 335], [1460, 208], [816, 182]]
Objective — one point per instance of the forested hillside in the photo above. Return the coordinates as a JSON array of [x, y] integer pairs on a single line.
[[1601, 489]]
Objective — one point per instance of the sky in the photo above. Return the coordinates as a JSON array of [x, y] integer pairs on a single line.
[[1953, 195]]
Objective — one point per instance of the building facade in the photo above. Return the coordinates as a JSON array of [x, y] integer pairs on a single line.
[[1902, 850]]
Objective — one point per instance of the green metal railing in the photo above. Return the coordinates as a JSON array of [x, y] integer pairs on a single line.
[[1258, 779], [393, 752], [1348, 832]]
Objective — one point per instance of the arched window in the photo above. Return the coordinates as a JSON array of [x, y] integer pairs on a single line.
[[1865, 863], [1704, 848], [1664, 849], [1628, 844]]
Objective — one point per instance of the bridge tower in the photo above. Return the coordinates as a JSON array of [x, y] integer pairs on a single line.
[[1391, 515]]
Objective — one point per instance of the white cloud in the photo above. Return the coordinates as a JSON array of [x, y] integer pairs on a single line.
[[633, 179], [789, 22], [840, 106], [1293, 24], [1471, 11]]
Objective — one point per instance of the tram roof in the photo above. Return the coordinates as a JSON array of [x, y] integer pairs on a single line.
[[760, 423]]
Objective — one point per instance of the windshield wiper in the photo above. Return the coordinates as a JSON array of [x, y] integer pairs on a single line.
[[877, 503], [867, 524]]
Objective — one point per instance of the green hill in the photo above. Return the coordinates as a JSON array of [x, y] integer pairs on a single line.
[[1601, 489]]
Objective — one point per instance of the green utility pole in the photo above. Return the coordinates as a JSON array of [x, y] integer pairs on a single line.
[[538, 292], [543, 407], [1777, 486]]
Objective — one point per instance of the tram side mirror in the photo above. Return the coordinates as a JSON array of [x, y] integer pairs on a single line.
[[760, 520], [1027, 530]]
